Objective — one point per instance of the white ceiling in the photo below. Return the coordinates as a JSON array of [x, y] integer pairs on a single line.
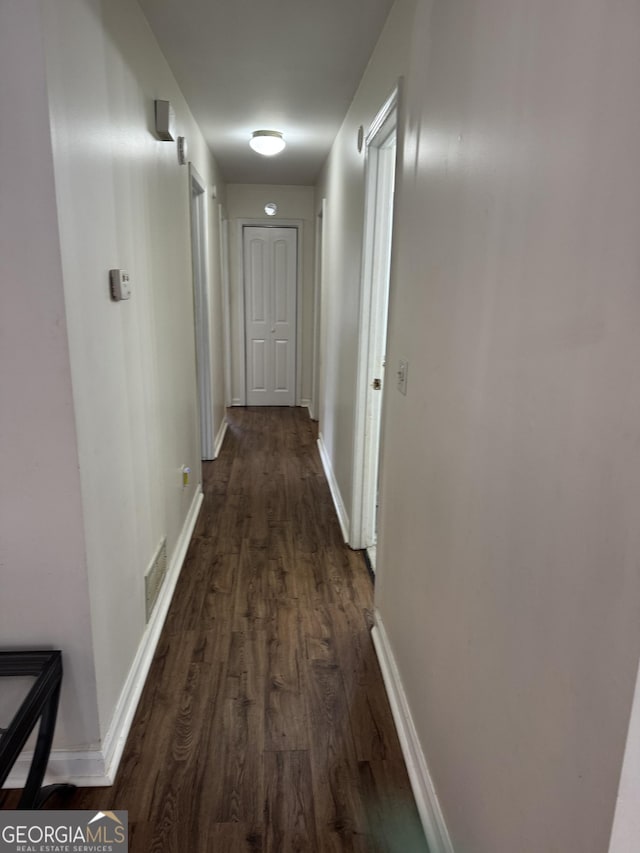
[[288, 65]]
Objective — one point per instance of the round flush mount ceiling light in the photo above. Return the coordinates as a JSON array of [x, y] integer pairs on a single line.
[[271, 208], [267, 142]]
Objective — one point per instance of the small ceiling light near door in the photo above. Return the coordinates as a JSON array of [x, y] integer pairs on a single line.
[[267, 142], [271, 208]]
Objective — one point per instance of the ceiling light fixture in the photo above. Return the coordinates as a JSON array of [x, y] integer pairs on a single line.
[[267, 142]]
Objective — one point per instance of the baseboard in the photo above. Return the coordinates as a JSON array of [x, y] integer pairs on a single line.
[[338, 503], [97, 767], [84, 768], [308, 405], [220, 438], [424, 792], [118, 732]]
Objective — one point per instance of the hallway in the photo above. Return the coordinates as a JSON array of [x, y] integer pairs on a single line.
[[264, 724]]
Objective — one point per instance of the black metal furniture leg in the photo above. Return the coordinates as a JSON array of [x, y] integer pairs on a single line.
[[40, 704], [33, 795]]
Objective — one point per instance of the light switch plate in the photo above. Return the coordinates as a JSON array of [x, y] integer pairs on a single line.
[[120, 285]]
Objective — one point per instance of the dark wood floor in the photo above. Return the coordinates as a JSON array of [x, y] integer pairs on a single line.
[[264, 725]]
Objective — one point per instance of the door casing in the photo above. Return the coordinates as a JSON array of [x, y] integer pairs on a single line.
[[368, 418], [199, 256], [314, 409]]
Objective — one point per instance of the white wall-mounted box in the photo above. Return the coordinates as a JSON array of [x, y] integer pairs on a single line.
[[120, 285], [165, 121]]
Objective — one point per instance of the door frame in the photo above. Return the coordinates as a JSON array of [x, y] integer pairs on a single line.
[[198, 210], [298, 224], [366, 452], [226, 311], [314, 408]]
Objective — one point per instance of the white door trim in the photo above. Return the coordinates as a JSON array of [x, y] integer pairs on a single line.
[[314, 409], [380, 120], [241, 354], [200, 268], [226, 313], [365, 466]]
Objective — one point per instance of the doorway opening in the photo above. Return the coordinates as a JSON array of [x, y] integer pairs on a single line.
[[201, 311], [380, 173]]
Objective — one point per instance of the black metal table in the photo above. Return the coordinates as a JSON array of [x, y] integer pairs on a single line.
[[39, 703]]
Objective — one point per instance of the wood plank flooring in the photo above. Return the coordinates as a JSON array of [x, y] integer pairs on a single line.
[[264, 725]]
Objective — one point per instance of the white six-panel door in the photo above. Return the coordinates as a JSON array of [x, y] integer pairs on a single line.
[[270, 270]]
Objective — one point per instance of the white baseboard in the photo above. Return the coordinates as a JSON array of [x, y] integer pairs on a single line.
[[424, 792], [84, 768], [98, 766], [308, 405], [338, 503], [220, 438]]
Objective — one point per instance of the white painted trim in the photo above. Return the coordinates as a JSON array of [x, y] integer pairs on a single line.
[[220, 438], [306, 404], [424, 791], [338, 503], [383, 114], [97, 767], [375, 279], [226, 311], [317, 304], [125, 709], [199, 228], [626, 821], [84, 768]]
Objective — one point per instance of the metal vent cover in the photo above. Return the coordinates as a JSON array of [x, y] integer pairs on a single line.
[[154, 578]]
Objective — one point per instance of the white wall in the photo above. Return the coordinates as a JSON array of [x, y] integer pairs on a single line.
[[43, 580], [92, 512], [508, 576], [247, 201], [123, 201], [342, 183]]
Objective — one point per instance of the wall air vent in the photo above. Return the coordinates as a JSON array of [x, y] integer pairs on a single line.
[[154, 578]]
